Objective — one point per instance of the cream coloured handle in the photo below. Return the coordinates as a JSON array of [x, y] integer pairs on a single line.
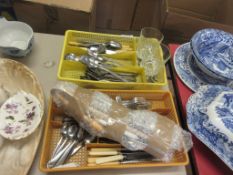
[[102, 153], [109, 159], [104, 149], [109, 163], [92, 160]]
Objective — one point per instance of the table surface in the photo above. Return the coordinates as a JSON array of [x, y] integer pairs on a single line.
[[44, 60]]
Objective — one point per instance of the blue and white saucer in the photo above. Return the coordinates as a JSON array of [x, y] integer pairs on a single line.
[[214, 50], [210, 119], [188, 71]]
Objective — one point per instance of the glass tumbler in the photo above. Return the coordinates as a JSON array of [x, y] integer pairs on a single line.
[[148, 50]]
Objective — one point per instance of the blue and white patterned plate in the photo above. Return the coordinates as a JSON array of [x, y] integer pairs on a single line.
[[214, 49], [210, 119], [188, 71]]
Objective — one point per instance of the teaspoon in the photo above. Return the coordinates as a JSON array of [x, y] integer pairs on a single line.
[[72, 131], [77, 138]]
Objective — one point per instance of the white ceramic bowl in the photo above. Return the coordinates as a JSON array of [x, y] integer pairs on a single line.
[[15, 38]]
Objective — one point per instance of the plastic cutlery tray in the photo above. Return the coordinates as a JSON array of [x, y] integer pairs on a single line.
[[73, 71], [162, 103]]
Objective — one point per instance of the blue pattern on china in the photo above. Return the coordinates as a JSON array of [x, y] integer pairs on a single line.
[[225, 110], [210, 119], [214, 49], [188, 70]]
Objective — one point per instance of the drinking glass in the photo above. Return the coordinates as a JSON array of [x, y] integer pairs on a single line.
[[148, 52]]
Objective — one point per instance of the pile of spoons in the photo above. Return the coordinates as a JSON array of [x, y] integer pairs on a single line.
[[110, 47], [96, 65], [73, 138]]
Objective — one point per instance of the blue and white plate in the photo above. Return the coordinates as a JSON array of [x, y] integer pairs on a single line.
[[188, 70], [214, 50], [210, 119]]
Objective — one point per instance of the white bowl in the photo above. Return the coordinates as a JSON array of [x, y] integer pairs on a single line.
[[15, 38]]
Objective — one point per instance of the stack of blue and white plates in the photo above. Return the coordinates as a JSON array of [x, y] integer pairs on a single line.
[[206, 59], [205, 65]]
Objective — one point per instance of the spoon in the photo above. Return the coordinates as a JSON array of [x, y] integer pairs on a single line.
[[140, 103], [72, 131], [112, 45], [63, 139], [88, 139], [134, 103], [67, 121], [92, 63], [102, 59], [77, 138], [99, 49], [102, 48], [85, 59], [88, 60], [72, 57]]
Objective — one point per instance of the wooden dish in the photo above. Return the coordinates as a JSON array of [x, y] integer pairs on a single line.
[[16, 157]]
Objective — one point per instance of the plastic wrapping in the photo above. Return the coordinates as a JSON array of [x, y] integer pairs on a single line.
[[134, 129]]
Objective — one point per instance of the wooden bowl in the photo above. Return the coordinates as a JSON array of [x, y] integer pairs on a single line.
[[17, 156]]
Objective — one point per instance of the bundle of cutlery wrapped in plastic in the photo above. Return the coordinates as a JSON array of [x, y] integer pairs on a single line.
[[143, 134]]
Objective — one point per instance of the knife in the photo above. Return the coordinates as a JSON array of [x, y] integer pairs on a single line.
[[124, 157], [92, 163], [110, 151], [109, 154]]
